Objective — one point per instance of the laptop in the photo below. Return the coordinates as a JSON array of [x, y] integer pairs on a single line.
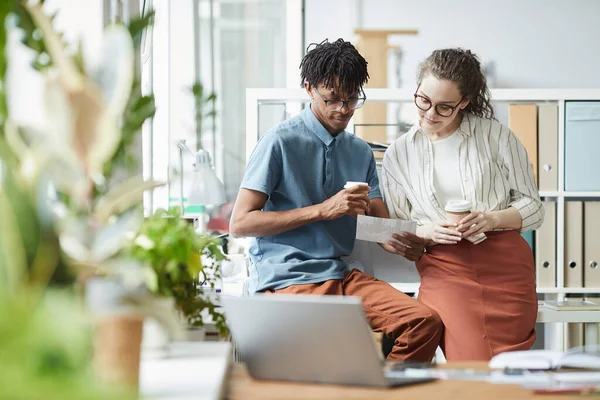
[[309, 338]]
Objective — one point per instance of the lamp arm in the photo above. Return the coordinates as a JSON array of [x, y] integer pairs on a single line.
[[184, 147]]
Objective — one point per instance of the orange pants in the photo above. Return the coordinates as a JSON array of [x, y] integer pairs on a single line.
[[416, 329], [484, 293]]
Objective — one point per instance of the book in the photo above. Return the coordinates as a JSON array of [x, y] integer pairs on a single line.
[[547, 359], [571, 305]]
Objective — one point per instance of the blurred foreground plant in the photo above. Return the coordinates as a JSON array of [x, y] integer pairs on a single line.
[[56, 206]]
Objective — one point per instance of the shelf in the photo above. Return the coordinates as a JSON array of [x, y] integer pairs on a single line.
[[581, 194], [564, 194], [414, 287], [568, 290], [573, 316], [549, 194]]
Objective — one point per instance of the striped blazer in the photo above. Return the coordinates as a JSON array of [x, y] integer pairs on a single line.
[[495, 174]]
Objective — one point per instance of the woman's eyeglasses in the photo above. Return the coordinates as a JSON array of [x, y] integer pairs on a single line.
[[443, 109]]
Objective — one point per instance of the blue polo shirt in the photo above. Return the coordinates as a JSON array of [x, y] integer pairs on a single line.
[[299, 164]]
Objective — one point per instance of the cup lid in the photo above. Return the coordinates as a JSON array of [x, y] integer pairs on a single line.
[[350, 184], [458, 206]]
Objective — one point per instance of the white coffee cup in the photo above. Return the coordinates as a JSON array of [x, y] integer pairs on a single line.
[[350, 184], [457, 210]]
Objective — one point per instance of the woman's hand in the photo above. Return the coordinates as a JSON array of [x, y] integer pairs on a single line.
[[443, 232], [475, 223], [407, 245]]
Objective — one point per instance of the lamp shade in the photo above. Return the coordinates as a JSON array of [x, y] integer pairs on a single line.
[[207, 189]]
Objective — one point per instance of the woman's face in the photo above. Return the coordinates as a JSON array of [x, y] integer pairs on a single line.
[[439, 103]]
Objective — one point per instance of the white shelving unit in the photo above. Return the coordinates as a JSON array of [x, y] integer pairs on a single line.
[[293, 98]]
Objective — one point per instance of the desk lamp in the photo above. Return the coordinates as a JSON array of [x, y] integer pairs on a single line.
[[206, 190]]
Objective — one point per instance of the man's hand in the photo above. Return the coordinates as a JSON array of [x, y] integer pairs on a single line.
[[346, 202], [475, 223], [443, 232], [407, 245]]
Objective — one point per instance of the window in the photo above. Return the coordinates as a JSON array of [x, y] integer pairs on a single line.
[[230, 45]]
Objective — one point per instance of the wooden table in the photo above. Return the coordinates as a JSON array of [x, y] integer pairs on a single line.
[[243, 387]]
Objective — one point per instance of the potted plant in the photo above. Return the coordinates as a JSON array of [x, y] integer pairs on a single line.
[[181, 265], [93, 111]]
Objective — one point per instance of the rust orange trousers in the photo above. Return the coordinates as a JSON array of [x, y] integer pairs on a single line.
[[415, 328], [484, 293]]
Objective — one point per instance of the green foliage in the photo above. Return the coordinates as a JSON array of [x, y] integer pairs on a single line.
[[32, 37], [45, 348], [138, 26], [204, 104], [181, 261], [45, 338], [139, 109], [28, 246], [5, 10]]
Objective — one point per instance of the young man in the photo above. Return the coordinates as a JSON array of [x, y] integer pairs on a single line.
[[292, 202]]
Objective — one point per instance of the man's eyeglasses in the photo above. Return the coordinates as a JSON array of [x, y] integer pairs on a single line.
[[336, 105], [443, 110]]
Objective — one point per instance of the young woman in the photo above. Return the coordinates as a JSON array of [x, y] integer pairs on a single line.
[[485, 292]]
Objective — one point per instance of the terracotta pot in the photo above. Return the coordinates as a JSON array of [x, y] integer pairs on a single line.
[[117, 347]]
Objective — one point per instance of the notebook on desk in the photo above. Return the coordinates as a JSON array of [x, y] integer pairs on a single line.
[[587, 357], [319, 339]]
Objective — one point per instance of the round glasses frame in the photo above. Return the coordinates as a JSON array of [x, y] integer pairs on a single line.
[[447, 110], [336, 104]]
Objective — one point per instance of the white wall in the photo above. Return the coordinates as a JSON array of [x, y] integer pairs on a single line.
[[533, 43]]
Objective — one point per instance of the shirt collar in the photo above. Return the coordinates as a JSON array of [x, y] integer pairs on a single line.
[[315, 126], [465, 128]]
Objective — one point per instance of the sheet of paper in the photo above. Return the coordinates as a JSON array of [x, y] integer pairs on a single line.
[[373, 229]]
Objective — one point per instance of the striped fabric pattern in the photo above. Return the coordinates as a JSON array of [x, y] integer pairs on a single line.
[[495, 173]]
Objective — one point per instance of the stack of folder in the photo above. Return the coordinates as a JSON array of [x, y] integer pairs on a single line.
[[536, 126]]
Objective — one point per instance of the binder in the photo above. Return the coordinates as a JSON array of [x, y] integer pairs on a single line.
[[548, 147], [573, 335], [582, 141], [591, 245], [528, 236], [573, 244], [522, 120], [545, 248]]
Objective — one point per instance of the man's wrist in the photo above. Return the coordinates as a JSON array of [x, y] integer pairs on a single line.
[[320, 212]]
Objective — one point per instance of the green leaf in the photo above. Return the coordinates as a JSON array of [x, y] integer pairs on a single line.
[[150, 278], [138, 25], [13, 258]]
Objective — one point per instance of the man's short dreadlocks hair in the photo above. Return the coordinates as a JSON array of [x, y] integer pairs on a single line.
[[339, 60]]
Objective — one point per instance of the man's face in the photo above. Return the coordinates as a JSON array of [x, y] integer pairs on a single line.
[[328, 108]]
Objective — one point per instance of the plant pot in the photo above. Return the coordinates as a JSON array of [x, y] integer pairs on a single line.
[[117, 347], [195, 334], [155, 336]]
